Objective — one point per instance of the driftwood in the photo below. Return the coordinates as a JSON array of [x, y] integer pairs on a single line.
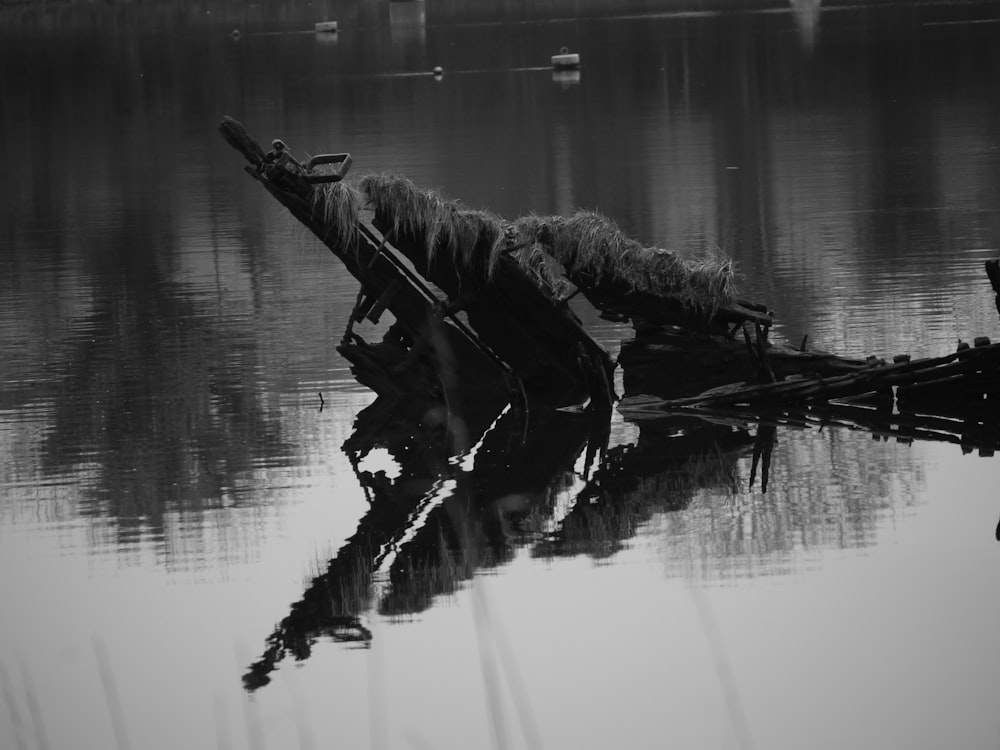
[[968, 375], [970, 428], [717, 374]]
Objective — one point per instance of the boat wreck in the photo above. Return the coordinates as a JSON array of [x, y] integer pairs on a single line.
[[482, 330], [481, 313]]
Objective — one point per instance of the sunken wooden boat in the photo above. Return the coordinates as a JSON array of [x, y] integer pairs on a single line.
[[481, 312]]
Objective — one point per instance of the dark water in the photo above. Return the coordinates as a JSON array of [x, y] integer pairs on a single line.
[[180, 520]]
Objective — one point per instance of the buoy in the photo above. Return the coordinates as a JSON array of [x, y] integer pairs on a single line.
[[438, 71], [566, 60], [235, 33], [326, 27]]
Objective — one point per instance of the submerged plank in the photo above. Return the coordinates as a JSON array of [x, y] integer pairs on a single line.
[[465, 254], [953, 369]]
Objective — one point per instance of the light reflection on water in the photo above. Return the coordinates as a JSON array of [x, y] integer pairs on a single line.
[[170, 484]]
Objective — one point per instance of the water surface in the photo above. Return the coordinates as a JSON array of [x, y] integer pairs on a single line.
[[199, 551]]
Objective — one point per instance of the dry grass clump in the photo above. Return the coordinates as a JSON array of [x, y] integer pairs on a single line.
[[556, 252], [592, 248], [338, 205], [471, 239]]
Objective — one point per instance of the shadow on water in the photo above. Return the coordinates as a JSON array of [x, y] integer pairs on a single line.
[[467, 492]]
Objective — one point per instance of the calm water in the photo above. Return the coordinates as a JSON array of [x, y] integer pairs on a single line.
[[181, 523]]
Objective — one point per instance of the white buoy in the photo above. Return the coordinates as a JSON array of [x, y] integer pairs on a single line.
[[566, 60], [326, 27]]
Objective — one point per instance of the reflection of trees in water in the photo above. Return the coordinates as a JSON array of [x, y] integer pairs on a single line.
[[150, 388], [154, 401], [165, 417], [552, 486]]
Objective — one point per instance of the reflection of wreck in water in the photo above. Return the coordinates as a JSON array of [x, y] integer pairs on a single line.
[[669, 462], [453, 507], [468, 492], [450, 509], [495, 403]]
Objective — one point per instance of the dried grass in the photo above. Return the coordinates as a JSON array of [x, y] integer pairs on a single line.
[[592, 247], [556, 252], [338, 205], [470, 239]]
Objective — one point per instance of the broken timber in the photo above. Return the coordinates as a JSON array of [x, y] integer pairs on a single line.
[[966, 377]]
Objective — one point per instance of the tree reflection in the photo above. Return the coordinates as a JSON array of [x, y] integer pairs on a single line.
[[152, 399], [164, 410]]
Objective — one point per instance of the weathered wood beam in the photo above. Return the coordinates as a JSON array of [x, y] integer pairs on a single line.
[[383, 277]]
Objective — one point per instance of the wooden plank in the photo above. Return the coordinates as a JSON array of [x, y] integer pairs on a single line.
[[958, 365]]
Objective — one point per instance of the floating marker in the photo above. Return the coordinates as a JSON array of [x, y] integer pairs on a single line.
[[438, 71], [566, 60], [326, 27]]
